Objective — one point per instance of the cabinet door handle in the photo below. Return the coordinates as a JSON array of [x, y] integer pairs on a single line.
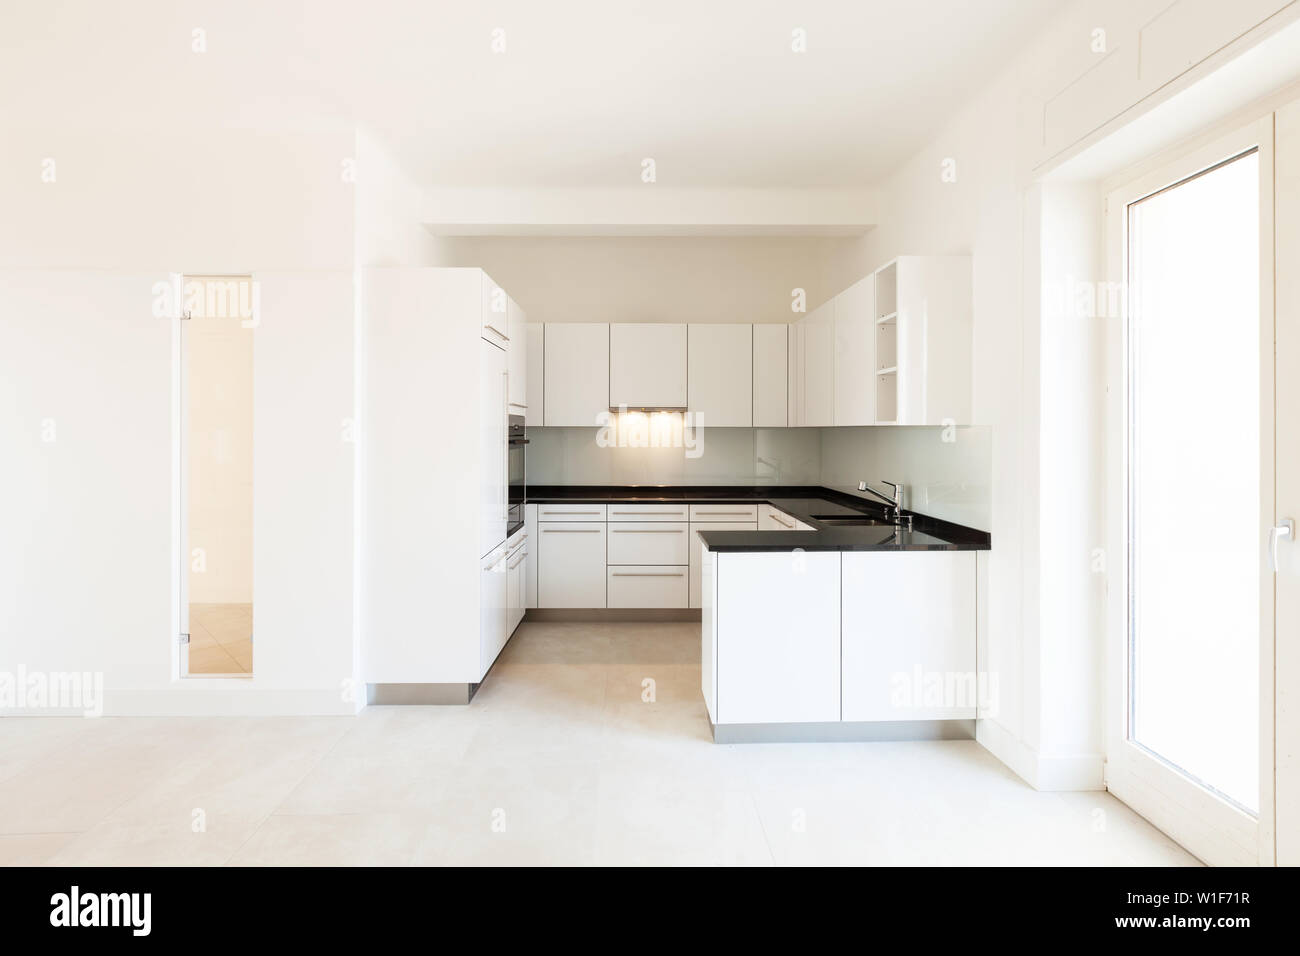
[[647, 512], [649, 574], [780, 522], [726, 514], [571, 531], [1284, 530], [517, 563], [571, 512], [647, 531], [493, 328]]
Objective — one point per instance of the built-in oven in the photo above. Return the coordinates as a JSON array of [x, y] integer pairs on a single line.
[[516, 444]]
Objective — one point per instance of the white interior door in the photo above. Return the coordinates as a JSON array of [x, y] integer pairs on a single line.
[[1191, 499]]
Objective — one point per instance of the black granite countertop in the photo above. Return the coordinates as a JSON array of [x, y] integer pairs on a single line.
[[803, 502]]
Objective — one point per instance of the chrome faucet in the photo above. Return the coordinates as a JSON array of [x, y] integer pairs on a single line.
[[895, 502]]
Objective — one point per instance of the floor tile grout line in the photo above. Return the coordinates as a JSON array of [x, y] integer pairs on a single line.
[[288, 792]]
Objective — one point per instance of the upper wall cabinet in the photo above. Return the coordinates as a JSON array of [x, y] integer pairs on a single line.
[[535, 337], [516, 328], [495, 313], [721, 378], [770, 372], [575, 376], [923, 340], [819, 366], [855, 351], [647, 365]]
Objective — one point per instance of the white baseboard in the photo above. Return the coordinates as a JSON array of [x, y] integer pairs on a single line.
[[1042, 772]]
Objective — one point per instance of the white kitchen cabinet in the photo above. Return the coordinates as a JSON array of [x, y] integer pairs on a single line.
[[535, 340], [647, 365], [570, 564], [530, 566], [517, 327], [908, 625], [647, 586], [774, 519], [855, 353], [819, 366], [493, 426], [494, 599], [575, 375], [924, 315], [697, 547], [426, 357], [720, 359], [770, 374], [495, 314], [647, 542], [777, 637]]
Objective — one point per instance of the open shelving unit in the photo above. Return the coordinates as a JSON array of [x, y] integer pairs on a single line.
[[887, 343]]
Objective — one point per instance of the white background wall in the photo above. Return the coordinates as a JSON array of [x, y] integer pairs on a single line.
[[89, 563]]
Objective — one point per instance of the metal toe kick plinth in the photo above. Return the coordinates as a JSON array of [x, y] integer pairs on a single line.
[[841, 731], [416, 694]]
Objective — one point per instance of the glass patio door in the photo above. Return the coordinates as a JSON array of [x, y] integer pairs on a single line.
[[1192, 391]]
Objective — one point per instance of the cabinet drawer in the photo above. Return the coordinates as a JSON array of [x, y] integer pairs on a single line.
[[648, 586], [571, 512], [648, 542], [724, 512], [638, 512]]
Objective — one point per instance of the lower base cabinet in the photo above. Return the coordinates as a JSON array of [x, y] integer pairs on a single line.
[[494, 597], [647, 586], [908, 630], [571, 564], [516, 583], [530, 565], [777, 628]]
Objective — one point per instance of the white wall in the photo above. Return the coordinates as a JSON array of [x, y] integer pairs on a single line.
[[659, 279], [389, 231], [91, 568], [194, 200]]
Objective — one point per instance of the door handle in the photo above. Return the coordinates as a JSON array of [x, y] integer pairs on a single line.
[[1284, 530]]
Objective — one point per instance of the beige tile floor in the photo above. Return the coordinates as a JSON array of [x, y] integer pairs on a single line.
[[558, 760], [221, 638]]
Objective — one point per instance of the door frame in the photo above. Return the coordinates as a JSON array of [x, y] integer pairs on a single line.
[[1214, 829]]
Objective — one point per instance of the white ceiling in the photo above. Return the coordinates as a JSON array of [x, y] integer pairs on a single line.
[[585, 90]]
